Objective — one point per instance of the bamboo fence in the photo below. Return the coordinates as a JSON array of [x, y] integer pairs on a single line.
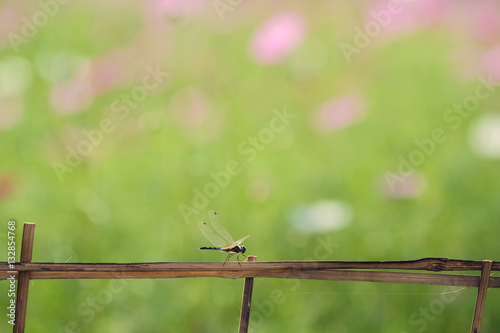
[[369, 271]]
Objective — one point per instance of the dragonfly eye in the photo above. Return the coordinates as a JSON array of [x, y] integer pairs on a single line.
[[243, 249]]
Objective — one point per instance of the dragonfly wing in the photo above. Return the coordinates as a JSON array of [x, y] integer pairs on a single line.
[[211, 236], [238, 242], [214, 218]]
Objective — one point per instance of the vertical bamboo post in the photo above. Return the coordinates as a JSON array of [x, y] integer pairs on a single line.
[[481, 297], [24, 278], [246, 301]]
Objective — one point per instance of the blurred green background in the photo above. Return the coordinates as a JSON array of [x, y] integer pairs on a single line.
[[352, 132]]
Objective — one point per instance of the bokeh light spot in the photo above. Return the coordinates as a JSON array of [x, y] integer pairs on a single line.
[[322, 216], [484, 137]]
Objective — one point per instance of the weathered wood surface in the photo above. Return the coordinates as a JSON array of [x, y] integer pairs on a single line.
[[318, 270], [428, 264]]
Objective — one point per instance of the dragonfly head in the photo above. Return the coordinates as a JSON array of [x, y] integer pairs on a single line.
[[243, 249]]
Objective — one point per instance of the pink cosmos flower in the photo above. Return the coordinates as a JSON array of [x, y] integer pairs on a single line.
[[11, 111], [72, 97], [486, 21], [338, 113], [7, 185], [491, 62], [406, 16], [277, 37], [107, 72], [176, 7], [10, 21], [190, 108], [411, 186]]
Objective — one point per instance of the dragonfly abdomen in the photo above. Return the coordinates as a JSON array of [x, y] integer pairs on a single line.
[[209, 248]]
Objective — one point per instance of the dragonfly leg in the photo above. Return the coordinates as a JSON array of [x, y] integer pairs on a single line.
[[228, 257], [238, 257]]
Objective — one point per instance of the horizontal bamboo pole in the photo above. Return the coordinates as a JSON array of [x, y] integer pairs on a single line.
[[244, 272], [429, 264]]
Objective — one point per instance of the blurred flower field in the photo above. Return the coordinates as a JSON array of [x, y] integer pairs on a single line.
[[333, 131]]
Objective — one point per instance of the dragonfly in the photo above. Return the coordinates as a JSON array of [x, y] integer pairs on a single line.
[[222, 241]]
